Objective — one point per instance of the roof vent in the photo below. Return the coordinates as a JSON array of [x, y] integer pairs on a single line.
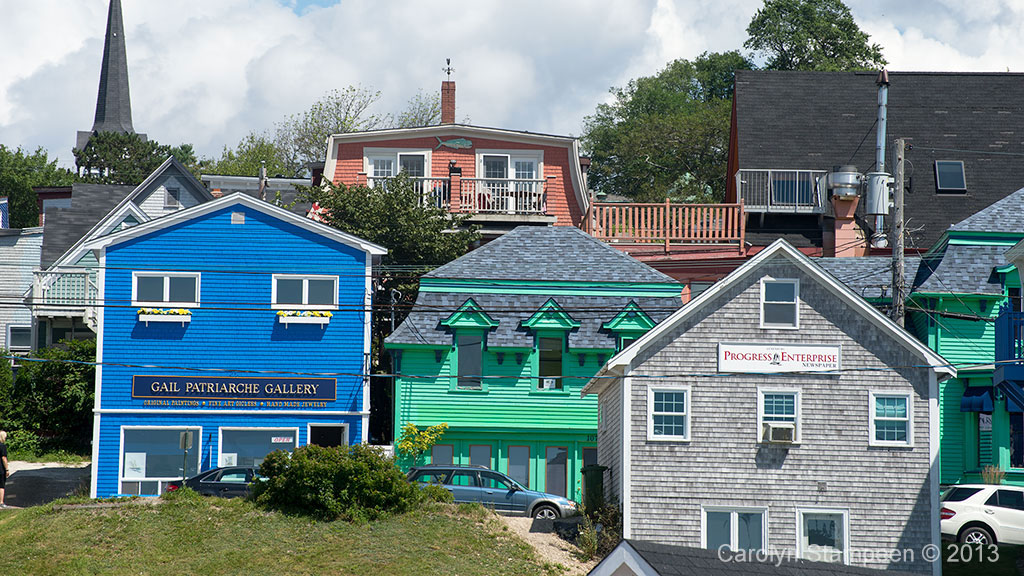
[[238, 217]]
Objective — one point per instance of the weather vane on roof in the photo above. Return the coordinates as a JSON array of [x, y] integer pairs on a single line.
[[448, 68]]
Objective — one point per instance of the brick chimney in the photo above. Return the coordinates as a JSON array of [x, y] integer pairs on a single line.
[[447, 102]]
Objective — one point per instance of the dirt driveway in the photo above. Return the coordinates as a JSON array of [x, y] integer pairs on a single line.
[[32, 483]]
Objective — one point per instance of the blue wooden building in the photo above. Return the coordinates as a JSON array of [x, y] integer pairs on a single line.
[[236, 323]]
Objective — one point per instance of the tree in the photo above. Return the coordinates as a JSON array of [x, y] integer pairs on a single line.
[[811, 35], [666, 136], [125, 158], [302, 138], [246, 159], [19, 172], [422, 110]]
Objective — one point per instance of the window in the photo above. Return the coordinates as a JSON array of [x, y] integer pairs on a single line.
[[669, 413], [1012, 499], [519, 464], [779, 303], [383, 163], [949, 176], [480, 455], [465, 478], [891, 420], [1016, 440], [470, 360], [431, 476], [442, 454], [180, 289], [697, 288], [550, 364], [383, 167], [590, 456], [19, 338], [734, 528], [248, 447], [778, 407], [172, 198], [494, 481], [305, 292], [959, 494], [512, 179], [823, 535], [556, 469], [152, 457]]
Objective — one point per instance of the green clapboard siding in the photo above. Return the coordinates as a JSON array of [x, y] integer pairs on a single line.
[[952, 449]]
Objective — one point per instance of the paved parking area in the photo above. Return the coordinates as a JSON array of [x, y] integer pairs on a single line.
[[35, 483]]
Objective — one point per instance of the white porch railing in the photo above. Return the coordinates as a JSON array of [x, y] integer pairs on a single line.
[[503, 196], [790, 191], [433, 191], [65, 292]]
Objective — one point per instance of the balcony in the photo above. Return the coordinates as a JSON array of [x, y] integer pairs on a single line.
[[666, 224], [433, 191], [1009, 350], [65, 292], [780, 191], [516, 196]]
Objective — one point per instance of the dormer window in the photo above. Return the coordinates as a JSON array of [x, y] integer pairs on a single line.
[[949, 176], [779, 303]]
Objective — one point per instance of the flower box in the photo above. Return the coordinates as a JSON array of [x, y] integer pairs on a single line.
[[321, 320], [182, 318]]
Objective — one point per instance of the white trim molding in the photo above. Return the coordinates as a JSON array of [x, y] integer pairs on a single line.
[[650, 413], [908, 397], [798, 420], [843, 512]]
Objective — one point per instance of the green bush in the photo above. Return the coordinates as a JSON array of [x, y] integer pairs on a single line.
[[436, 493], [349, 482], [600, 531], [22, 445]]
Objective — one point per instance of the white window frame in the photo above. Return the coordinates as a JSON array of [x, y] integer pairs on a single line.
[[197, 447], [344, 432], [733, 524], [371, 154], [172, 199], [19, 349], [796, 303], [844, 512], [535, 156], [305, 292], [872, 395], [167, 289], [220, 437], [650, 412], [798, 408]]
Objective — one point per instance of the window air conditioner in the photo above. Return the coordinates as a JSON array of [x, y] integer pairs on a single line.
[[779, 432], [547, 383]]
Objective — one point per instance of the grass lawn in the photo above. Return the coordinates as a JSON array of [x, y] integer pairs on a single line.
[[214, 536], [960, 562]]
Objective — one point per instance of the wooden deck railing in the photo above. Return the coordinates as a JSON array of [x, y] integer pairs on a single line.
[[667, 224]]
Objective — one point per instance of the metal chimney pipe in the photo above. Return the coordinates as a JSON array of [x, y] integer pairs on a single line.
[[883, 102]]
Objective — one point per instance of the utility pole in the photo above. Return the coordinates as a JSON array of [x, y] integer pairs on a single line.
[[898, 272]]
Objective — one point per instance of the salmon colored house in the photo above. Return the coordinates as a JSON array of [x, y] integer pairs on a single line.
[[503, 178]]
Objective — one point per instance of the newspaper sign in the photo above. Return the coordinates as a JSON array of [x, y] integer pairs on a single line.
[[772, 358]]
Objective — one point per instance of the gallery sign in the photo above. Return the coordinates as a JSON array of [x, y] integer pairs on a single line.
[[772, 358], [227, 388]]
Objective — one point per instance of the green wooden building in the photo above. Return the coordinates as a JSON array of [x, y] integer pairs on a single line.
[[501, 341]]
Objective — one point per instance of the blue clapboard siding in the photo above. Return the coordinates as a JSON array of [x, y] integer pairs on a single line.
[[233, 331]]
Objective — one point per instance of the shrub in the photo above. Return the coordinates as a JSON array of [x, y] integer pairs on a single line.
[[600, 531], [22, 444], [349, 482], [436, 493]]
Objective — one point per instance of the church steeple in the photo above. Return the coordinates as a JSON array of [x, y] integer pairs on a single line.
[[113, 104]]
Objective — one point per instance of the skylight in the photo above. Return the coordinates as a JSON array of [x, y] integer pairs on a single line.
[[949, 176]]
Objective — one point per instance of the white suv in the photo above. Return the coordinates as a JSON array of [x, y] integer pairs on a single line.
[[984, 514]]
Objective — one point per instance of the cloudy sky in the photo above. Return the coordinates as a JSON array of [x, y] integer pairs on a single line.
[[209, 71]]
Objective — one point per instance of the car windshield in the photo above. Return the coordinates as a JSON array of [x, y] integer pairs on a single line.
[[959, 494]]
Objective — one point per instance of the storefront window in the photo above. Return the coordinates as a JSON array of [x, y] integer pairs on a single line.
[[153, 456], [249, 447], [1016, 439]]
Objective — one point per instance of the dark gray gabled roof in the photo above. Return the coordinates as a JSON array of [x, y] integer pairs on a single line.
[[868, 276], [963, 269], [549, 253], [817, 120], [1006, 215], [65, 226], [423, 325], [669, 560]]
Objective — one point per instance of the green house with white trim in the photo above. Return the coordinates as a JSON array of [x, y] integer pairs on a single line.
[[501, 341]]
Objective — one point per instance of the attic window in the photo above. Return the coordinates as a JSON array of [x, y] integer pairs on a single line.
[[238, 217], [172, 198], [949, 176]]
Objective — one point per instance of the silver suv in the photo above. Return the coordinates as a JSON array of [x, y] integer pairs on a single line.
[[493, 490]]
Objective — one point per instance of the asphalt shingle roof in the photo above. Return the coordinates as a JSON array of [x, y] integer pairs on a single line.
[[817, 120], [868, 276], [65, 226], [964, 269], [671, 560], [423, 325], [549, 253], [1006, 215]]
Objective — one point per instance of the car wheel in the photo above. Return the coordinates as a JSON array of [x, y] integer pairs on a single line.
[[545, 512], [976, 535]]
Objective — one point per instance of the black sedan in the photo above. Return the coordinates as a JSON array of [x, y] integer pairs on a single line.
[[227, 482]]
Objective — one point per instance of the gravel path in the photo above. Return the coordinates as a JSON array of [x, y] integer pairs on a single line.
[[549, 547]]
